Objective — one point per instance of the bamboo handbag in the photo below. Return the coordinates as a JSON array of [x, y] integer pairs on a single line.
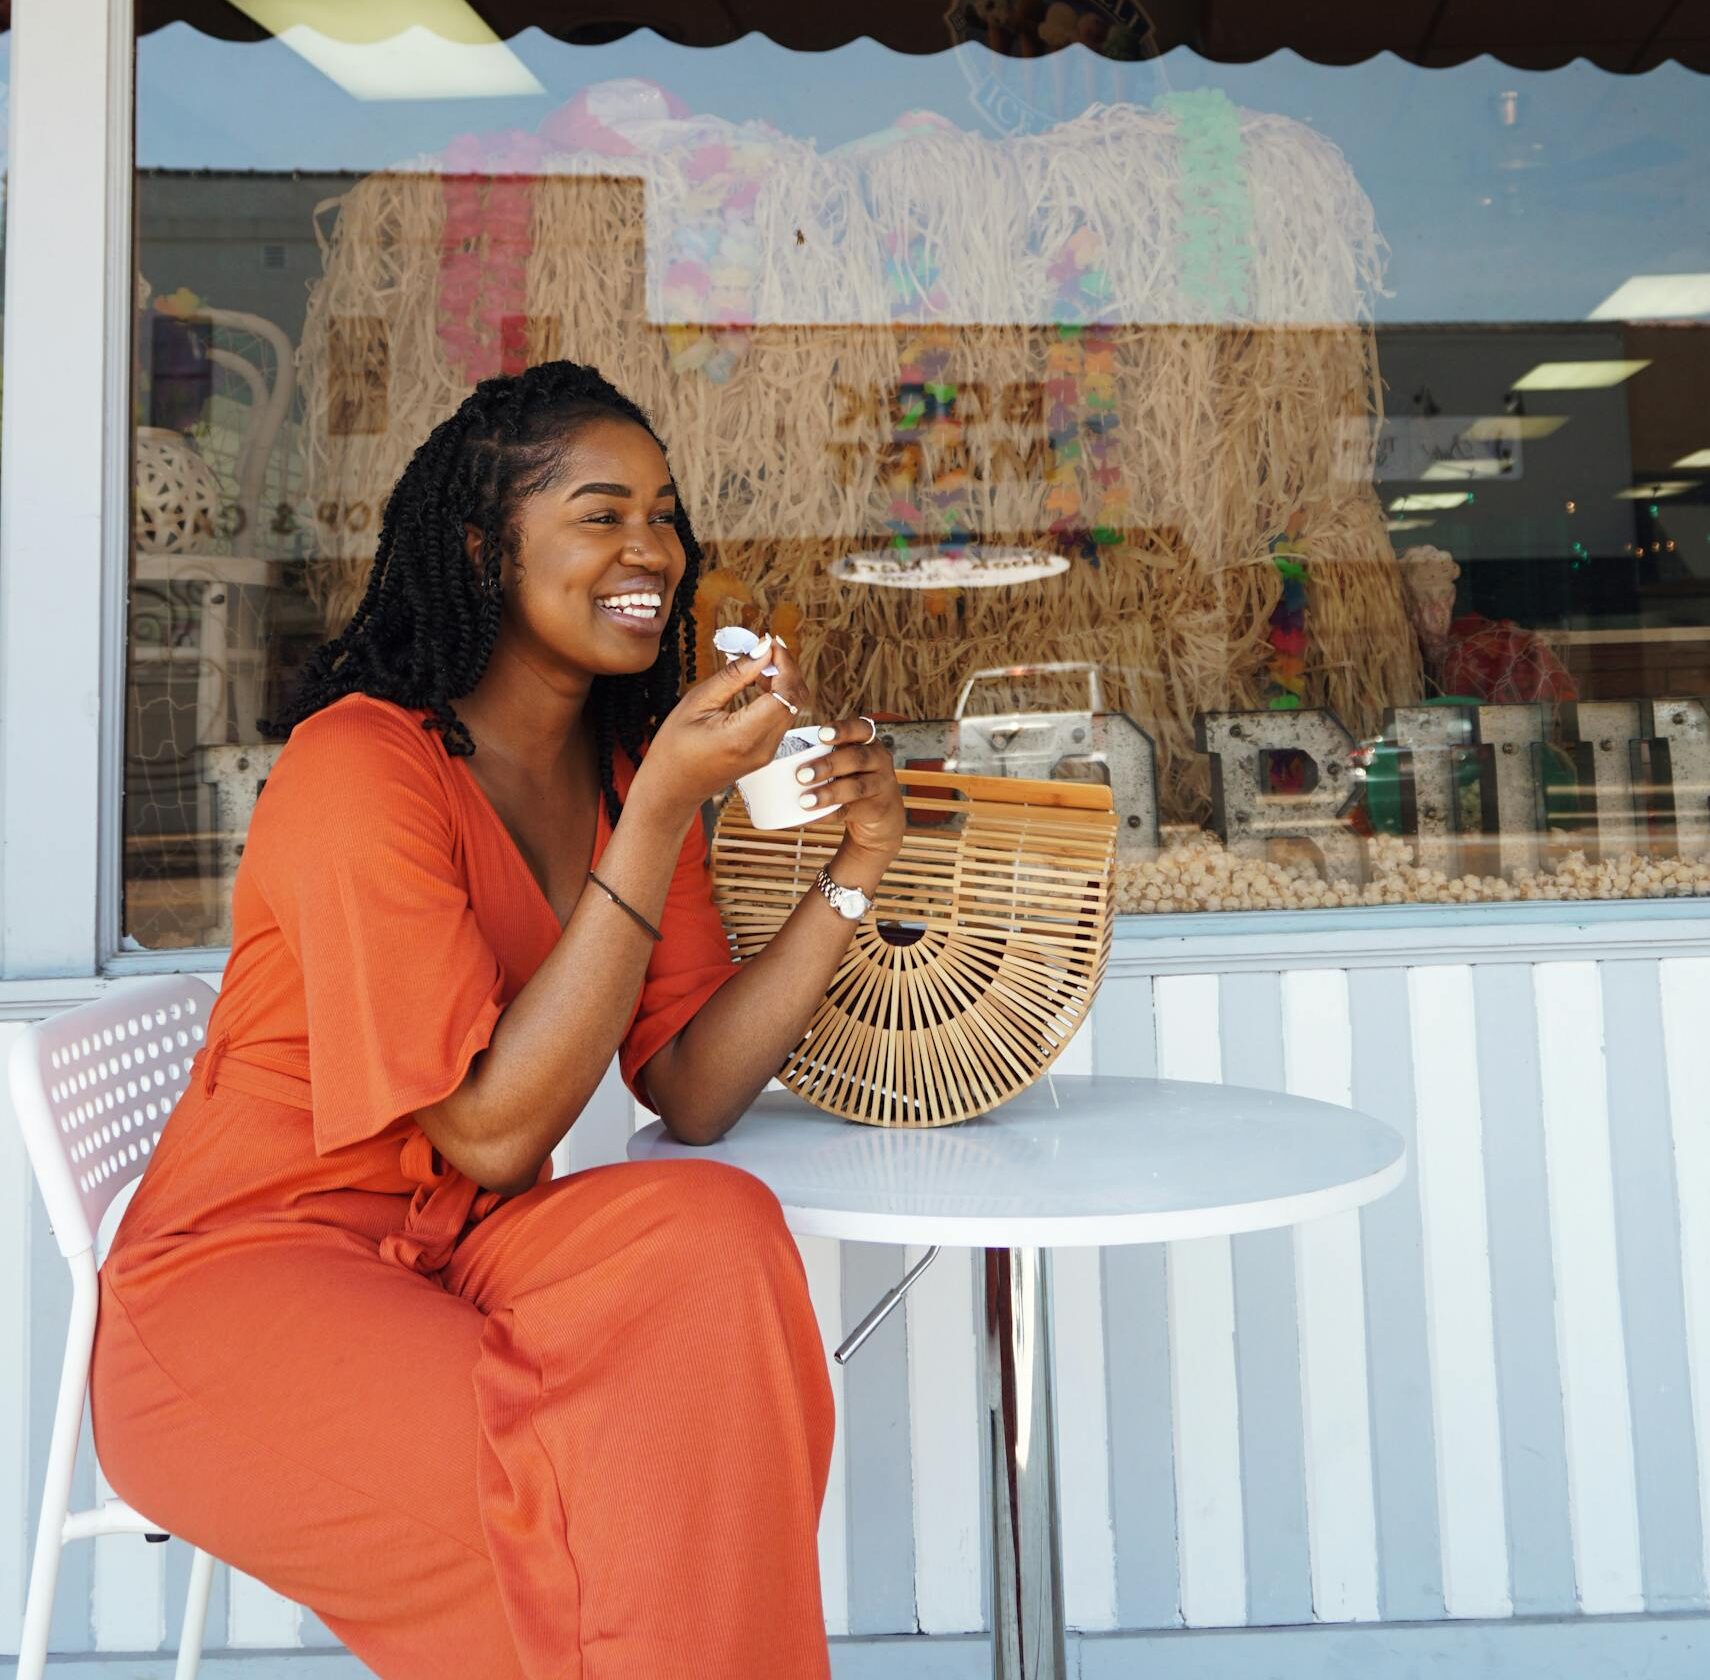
[[979, 959]]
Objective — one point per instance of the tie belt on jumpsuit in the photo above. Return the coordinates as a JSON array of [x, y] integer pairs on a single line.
[[444, 1200]]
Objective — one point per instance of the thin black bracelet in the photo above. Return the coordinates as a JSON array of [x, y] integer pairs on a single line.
[[633, 914]]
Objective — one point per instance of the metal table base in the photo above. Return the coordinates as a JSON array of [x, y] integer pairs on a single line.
[[1027, 1547]]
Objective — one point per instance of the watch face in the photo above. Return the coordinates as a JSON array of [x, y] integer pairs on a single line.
[[851, 903]]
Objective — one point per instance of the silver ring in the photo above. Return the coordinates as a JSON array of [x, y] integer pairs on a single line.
[[872, 726], [775, 695]]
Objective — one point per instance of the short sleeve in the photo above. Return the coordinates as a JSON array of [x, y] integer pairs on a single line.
[[355, 852], [689, 964]]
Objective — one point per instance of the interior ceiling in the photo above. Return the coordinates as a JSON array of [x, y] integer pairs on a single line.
[[1634, 36]]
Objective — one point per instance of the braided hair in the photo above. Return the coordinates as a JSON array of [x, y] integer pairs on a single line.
[[424, 629]]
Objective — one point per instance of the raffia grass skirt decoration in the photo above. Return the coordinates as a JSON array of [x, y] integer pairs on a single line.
[[979, 960], [1228, 422]]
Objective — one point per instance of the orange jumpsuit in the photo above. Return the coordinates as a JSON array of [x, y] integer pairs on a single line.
[[579, 1434]]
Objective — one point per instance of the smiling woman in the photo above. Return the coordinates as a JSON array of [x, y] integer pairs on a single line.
[[422, 998]]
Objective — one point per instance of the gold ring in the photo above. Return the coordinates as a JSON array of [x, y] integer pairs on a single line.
[[872, 726], [792, 710]]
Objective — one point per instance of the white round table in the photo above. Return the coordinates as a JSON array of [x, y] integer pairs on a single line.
[[1073, 1161]]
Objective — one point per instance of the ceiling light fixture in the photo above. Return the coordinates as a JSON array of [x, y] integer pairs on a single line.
[[1662, 487], [1577, 376], [1656, 297], [1515, 428], [1473, 466], [397, 49], [1429, 501]]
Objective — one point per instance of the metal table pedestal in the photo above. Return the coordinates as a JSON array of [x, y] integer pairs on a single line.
[[1027, 1547]]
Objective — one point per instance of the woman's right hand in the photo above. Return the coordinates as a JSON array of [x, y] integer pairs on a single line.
[[705, 743]]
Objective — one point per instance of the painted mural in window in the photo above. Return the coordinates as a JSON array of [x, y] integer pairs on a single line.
[[1316, 454]]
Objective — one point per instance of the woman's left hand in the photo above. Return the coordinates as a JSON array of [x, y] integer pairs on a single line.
[[858, 775]]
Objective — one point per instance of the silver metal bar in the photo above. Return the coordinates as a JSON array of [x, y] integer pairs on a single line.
[[886, 1305], [1027, 1550]]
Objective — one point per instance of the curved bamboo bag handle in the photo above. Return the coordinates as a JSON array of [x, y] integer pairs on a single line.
[[978, 961]]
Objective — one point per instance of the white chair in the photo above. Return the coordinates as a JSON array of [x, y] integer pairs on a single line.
[[92, 1088]]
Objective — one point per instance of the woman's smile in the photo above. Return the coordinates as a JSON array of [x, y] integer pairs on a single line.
[[636, 611]]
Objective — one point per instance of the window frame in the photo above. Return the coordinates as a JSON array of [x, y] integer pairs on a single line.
[[63, 569]]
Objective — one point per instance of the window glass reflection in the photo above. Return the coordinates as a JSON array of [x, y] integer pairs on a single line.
[[1316, 453]]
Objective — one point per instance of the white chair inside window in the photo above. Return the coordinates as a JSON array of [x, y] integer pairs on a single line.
[[202, 517], [216, 519]]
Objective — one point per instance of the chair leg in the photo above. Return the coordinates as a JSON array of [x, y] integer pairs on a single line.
[[38, 1606], [195, 1616], [56, 1485]]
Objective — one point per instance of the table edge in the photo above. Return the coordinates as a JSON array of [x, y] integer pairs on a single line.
[[1094, 1230]]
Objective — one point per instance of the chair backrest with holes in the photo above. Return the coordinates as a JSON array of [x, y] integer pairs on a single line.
[[93, 1088]]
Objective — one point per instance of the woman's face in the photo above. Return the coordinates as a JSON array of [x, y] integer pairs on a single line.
[[597, 559]]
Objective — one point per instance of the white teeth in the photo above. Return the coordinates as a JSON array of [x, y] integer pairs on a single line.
[[637, 605]]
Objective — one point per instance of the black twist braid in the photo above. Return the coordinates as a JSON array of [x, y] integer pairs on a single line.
[[424, 630]]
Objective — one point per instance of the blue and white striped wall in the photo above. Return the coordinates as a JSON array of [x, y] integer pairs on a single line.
[[1475, 1410]]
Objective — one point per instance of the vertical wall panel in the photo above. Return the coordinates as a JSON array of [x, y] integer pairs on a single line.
[[130, 1582], [17, 1192], [1267, 1345], [821, 1259], [1330, 1294], [1602, 1500], [1125, 1035], [944, 1431], [1685, 1012], [1185, 1012], [1666, 1458], [259, 1618], [1523, 1293], [1207, 1433], [1205, 1409], [1137, 1359], [1449, 1152], [1077, 1056], [1083, 1439], [880, 1496], [1404, 1448]]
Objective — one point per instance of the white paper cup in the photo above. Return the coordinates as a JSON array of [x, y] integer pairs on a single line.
[[772, 793]]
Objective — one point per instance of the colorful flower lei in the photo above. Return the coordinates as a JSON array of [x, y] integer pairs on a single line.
[[1286, 690]]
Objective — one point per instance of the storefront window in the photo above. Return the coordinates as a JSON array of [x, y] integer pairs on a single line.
[[1317, 453]]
